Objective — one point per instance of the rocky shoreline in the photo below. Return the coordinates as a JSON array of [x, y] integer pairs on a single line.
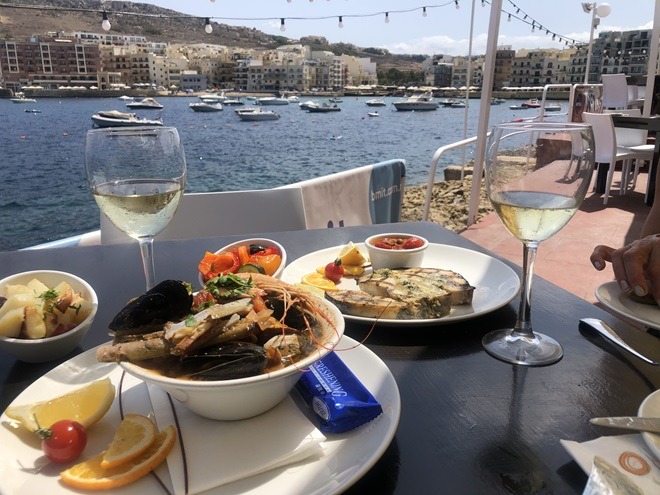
[[449, 203]]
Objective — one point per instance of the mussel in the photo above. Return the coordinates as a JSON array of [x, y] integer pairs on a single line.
[[225, 362], [170, 300]]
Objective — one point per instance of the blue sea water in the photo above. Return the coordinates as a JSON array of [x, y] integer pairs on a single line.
[[44, 195]]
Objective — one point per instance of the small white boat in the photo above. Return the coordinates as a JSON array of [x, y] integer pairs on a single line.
[[373, 114], [293, 98], [206, 107], [324, 108], [272, 100], [553, 107], [258, 115], [20, 98], [32, 110], [532, 103], [113, 118], [305, 105], [497, 101], [458, 104], [213, 97], [147, 104], [375, 103], [423, 101], [126, 98], [233, 101], [518, 107], [336, 100]]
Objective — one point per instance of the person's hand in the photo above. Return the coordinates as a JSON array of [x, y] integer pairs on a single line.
[[636, 266]]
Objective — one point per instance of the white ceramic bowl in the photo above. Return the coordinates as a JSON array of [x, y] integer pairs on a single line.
[[247, 242], [50, 348], [243, 397], [395, 258]]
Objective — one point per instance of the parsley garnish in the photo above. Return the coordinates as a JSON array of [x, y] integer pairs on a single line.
[[190, 321], [49, 294], [228, 286]]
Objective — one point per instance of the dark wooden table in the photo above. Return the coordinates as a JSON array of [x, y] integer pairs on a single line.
[[470, 424], [652, 125]]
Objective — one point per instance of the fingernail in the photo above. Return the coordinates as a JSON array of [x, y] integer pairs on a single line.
[[598, 265], [639, 291], [624, 285]]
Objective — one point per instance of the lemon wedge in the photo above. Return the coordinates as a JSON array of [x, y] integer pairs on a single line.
[[317, 280], [312, 290], [351, 255], [86, 405]]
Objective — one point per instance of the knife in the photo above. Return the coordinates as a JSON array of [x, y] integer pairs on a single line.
[[629, 423], [608, 332]]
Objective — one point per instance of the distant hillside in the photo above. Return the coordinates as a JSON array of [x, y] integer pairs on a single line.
[[21, 23]]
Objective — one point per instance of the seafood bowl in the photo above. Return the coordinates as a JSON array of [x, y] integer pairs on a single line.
[[39, 350], [401, 257], [257, 242], [242, 398]]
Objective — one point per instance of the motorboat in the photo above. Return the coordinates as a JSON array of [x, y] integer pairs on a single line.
[[126, 98], [553, 107], [206, 107], [233, 101], [32, 110], [373, 114], [305, 105], [532, 103], [146, 104], [497, 101], [293, 99], [272, 100], [20, 98], [113, 118], [518, 107], [245, 110], [213, 97], [448, 102], [423, 101], [458, 104], [375, 103], [258, 115], [324, 108], [336, 100]]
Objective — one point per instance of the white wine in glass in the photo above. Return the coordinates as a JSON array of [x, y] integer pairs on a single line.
[[137, 177], [537, 175]]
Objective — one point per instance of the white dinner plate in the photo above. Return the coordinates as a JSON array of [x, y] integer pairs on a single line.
[[650, 408], [346, 457], [495, 282], [611, 295]]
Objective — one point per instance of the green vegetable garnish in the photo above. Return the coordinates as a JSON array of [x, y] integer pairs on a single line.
[[190, 321], [49, 294], [228, 286]]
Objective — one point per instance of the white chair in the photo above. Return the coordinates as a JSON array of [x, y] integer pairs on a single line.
[[607, 152], [616, 92], [226, 213], [364, 195]]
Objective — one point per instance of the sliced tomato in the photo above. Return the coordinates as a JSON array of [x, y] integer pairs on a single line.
[[258, 303], [243, 254], [202, 297], [269, 262]]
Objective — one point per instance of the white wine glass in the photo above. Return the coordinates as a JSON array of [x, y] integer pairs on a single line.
[[137, 176], [537, 175]]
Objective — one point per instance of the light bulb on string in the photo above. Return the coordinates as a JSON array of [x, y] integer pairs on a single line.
[[282, 26], [387, 17], [106, 22], [207, 26], [553, 36], [508, 19], [424, 12], [533, 26], [457, 6], [341, 22]]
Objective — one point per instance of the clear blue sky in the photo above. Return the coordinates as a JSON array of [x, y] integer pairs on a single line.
[[444, 30]]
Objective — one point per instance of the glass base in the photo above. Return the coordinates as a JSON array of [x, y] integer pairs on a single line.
[[513, 347]]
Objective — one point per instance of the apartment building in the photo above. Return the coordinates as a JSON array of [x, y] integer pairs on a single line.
[[438, 70], [503, 66], [50, 63]]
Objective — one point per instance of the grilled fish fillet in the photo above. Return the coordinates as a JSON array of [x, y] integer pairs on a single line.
[[358, 303], [412, 281]]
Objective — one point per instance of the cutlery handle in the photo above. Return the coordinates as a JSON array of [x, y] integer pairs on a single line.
[[608, 332]]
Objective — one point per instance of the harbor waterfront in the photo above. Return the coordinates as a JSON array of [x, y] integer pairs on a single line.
[[44, 196]]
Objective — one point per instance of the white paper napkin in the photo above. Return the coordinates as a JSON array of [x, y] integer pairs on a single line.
[[220, 452], [611, 448]]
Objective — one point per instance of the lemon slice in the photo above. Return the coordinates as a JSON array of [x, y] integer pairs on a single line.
[[353, 270], [318, 280], [135, 434], [89, 475], [351, 255], [85, 405], [312, 290]]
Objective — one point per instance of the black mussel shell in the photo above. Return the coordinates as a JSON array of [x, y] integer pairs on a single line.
[[295, 317], [167, 301], [225, 362]]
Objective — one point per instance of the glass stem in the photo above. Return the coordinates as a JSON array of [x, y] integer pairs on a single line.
[[524, 321], [147, 251]]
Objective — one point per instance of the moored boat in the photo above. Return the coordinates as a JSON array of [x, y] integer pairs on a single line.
[[272, 100], [305, 105], [146, 104], [233, 101], [206, 107], [497, 101], [518, 107], [423, 101], [532, 103], [324, 108], [126, 98], [213, 97], [375, 103], [20, 98], [258, 115], [374, 114], [553, 107], [113, 118]]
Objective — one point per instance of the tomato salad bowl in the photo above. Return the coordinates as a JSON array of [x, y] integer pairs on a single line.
[[396, 250]]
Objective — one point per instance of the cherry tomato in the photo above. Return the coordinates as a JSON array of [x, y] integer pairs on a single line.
[[334, 271], [412, 243], [64, 441]]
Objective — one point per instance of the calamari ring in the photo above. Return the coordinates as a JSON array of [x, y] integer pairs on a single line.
[[634, 463]]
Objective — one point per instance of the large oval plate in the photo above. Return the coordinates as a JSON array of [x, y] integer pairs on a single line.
[[611, 295], [496, 284], [650, 408]]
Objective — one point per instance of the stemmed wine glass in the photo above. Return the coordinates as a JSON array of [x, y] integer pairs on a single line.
[[137, 176], [537, 175]]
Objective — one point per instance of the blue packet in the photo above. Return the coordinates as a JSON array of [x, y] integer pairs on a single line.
[[338, 400]]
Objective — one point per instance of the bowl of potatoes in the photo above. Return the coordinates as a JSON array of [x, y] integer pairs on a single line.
[[44, 314]]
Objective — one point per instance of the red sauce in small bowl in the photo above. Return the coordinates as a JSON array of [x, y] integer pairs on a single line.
[[397, 243]]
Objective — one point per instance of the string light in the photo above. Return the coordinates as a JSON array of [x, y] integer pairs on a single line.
[[282, 26], [508, 18], [341, 22], [387, 17], [424, 12], [207, 27], [457, 6], [533, 25], [105, 24]]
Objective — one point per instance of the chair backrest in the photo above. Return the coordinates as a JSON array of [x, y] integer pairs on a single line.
[[364, 195], [625, 136], [615, 91], [584, 98], [604, 137], [226, 213]]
